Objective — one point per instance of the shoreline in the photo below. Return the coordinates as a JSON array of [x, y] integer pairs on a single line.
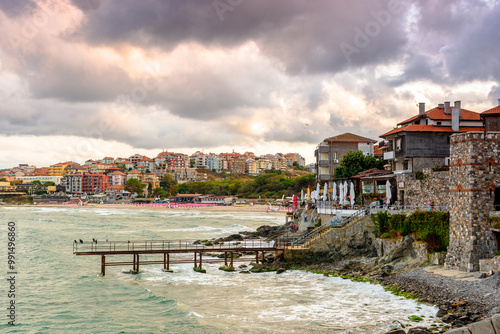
[[219, 208]]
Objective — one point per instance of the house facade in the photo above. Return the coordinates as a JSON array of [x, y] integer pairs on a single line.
[[331, 150], [423, 141]]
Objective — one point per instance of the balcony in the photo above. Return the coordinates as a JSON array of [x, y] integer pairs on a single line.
[[323, 149], [323, 163], [389, 155], [324, 177]]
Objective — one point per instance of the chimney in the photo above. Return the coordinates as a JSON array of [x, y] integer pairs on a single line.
[[421, 108], [458, 105], [447, 110], [455, 117], [441, 106]]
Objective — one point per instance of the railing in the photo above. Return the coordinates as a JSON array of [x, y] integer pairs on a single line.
[[335, 222], [168, 245], [409, 208]]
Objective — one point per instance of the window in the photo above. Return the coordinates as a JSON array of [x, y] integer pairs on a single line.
[[367, 187], [398, 144], [438, 123]]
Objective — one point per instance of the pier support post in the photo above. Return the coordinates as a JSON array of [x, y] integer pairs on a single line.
[[133, 263], [137, 263], [103, 265], [225, 259], [195, 264], [231, 259], [257, 257], [201, 259], [168, 261], [164, 260], [263, 257]]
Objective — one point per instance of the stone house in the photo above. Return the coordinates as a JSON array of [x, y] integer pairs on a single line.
[[423, 141]]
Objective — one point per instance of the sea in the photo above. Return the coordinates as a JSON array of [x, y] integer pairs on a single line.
[[59, 292]]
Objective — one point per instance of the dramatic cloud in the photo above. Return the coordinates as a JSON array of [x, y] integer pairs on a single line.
[[107, 76]]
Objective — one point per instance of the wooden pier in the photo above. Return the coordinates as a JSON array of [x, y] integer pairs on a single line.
[[168, 247]]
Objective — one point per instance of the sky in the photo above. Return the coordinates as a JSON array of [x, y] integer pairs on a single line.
[[87, 79]]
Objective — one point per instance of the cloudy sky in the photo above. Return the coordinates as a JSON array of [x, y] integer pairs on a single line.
[[92, 78]]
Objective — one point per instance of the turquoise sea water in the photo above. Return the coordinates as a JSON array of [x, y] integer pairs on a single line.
[[58, 292]]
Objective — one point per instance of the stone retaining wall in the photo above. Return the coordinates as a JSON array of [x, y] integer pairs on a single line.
[[490, 264]]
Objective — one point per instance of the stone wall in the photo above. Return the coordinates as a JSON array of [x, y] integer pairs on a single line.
[[351, 241], [419, 164], [474, 174], [434, 187], [490, 264]]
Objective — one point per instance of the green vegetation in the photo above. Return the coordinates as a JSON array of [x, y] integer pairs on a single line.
[[355, 162], [419, 175], [433, 227], [415, 318], [49, 183], [199, 270], [134, 186], [495, 221], [3, 179], [270, 185], [497, 253]]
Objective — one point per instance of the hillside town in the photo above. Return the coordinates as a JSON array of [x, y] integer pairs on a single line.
[[108, 176]]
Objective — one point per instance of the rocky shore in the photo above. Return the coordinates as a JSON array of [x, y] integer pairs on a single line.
[[460, 302]]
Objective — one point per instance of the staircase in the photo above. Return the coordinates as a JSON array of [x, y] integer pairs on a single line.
[[307, 239]]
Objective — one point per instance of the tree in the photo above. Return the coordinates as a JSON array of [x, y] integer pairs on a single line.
[[49, 183], [3, 179], [134, 186], [159, 192], [36, 182], [167, 182], [355, 162]]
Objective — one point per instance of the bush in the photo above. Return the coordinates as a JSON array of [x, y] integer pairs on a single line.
[[380, 220], [385, 235], [433, 227]]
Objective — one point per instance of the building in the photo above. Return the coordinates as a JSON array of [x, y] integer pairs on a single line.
[[423, 141], [213, 162], [491, 118], [41, 178], [94, 183], [331, 150], [151, 178], [237, 166], [73, 183], [117, 178], [199, 160]]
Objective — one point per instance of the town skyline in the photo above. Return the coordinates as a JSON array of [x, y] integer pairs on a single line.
[[80, 78]]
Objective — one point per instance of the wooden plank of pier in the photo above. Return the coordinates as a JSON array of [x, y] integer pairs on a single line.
[[166, 247]]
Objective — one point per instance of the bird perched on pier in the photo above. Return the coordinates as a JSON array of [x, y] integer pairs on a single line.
[[81, 241], [93, 240], [75, 241]]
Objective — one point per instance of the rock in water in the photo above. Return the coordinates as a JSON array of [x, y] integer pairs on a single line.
[[441, 313], [396, 331], [419, 330], [280, 270]]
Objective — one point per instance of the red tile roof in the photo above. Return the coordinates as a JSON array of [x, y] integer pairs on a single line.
[[438, 114], [492, 111], [349, 138], [431, 128]]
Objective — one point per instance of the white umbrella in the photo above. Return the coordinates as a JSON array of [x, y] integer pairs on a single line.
[[345, 191], [325, 192], [352, 194], [302, 195], [341, 196], [334, 195], [388, 194], [318, 190]]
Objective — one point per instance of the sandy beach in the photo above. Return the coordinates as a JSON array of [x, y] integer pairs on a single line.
[[159, 207]]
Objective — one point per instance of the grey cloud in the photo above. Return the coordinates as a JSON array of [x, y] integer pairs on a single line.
[[304, 37]]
